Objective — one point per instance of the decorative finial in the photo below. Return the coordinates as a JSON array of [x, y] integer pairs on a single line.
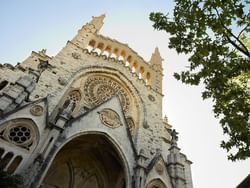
[[156, 57], [165, 119], [42, 52], [98, 21]]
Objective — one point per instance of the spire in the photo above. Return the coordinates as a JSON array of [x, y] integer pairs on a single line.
[[156, 57], [97, 22]]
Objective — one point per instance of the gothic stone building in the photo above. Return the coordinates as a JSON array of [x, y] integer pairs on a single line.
[[91, 117]]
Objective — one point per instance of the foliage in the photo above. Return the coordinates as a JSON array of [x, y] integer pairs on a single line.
[[214, 34], [10, 181]]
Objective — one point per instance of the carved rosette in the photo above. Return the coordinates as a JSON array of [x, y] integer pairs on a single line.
[[36, 110], [98, 89], [110, 118]]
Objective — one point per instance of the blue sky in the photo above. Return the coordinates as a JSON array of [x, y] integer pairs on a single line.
[[33, 25]]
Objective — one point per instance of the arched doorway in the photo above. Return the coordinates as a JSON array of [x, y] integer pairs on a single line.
[[88, 161]]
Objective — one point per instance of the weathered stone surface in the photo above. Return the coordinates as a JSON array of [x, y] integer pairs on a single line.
[[96, 105]]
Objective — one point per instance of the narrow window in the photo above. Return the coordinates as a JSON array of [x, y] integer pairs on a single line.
[[15, 163], [6, 159], [1, 152]]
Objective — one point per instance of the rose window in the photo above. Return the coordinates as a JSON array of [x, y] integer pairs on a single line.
[[20, 132], [74, 96]]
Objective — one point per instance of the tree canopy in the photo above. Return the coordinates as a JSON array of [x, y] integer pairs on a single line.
[[215, 36]]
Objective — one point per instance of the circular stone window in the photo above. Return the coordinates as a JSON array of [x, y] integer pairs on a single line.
[[20, 132]]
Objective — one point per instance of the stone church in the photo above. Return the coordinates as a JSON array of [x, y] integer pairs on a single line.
[[89, 117]]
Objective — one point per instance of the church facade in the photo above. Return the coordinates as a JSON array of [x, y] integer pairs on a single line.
[[91, 116]]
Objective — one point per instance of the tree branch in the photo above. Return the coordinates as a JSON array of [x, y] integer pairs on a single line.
[[245, 50], [243, 29]]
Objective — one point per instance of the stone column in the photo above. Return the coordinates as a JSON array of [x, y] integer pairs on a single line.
[[175, 164], [140, 170]]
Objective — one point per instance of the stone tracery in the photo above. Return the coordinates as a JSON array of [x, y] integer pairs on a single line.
[[98, 89], [20, 133]]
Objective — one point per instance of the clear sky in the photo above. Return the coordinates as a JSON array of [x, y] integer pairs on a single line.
[[33, 25]]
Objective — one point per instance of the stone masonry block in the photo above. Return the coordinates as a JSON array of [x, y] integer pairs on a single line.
[[21, 98], [11, 107], [31, 87], [13, 91], [4, 102], [24, 81]]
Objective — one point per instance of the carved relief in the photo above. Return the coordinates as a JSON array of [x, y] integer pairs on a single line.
[[159, 168], [151, 98], [74, 96], [76, 55], [98, 89], [110, 118], [131, 125], [36, 110], [62, 81]]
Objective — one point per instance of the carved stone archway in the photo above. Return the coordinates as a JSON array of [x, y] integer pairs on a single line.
[[156, 183], [89, 161]]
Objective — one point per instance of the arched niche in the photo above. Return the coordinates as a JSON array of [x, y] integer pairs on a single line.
[[99, 85], [90, 160], [156, 183]]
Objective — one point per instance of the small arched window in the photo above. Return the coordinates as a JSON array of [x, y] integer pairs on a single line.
[[134, 67], [157, 183], [6, 159], [92, 43], [73, 97], [141, 73], [3, 84], [148, 79], [14, 164]]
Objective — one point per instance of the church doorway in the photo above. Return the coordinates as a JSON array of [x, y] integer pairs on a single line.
[[88, 161]]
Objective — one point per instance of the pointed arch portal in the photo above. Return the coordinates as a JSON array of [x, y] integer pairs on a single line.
[[87, 161]]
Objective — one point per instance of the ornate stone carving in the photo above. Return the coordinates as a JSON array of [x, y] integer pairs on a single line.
[[76, 55], [159, 168], [110, 118], [131, 125], [74, 96], [156, 183], [36, 110], [98, 89], [151, 98], [62, 81], [19, 132]]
